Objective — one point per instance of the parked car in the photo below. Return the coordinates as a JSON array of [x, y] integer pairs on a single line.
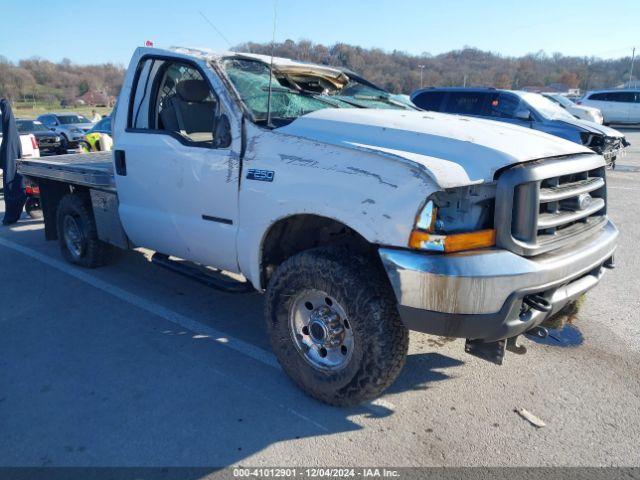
[[48, 142], [360, 218], [70, 126], [526, 109], [99, 137], [617, 106], [28, 144], [583, 112]]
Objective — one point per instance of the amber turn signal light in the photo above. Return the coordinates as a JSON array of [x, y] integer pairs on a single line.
[[452, 243]]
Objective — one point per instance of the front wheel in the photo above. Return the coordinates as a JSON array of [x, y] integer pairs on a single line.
[[334, 325]]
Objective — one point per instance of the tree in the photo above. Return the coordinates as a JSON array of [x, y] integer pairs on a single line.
[[570, 79]]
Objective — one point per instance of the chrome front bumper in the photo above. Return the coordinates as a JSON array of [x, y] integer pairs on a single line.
[[479, 294]]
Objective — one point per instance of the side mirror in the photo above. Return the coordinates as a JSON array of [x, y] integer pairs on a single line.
[[524, 114], [222, 132]]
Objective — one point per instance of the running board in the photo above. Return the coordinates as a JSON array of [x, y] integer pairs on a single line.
[[214, 279]]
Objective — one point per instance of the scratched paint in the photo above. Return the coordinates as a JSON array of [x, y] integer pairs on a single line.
[[452, 150]]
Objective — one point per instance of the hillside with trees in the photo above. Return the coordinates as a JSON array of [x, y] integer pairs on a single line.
[[40, 81], [399, 72], [37, 80]]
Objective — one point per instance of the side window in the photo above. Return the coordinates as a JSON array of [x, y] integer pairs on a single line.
[[174, 97], [504, 105], [185, 104], [622, 97], [47, 120], [430, 101], [466, 103], [142, 94], [600, 97], [628, 97]]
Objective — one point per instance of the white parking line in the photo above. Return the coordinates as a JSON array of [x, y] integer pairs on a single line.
[[174, 317]]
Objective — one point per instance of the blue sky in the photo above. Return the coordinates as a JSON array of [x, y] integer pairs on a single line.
[[109, 30]]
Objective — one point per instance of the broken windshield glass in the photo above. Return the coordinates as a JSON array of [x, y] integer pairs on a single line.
[[297, 90], [251, 80]]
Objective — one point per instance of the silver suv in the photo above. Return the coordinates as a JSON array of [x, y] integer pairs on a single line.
[[617, 106], [70, 126]]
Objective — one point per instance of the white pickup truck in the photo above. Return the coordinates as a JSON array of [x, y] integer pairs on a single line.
[[359, 216]]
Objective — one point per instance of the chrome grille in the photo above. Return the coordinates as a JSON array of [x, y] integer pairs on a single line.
[[569, 204], [551, 203]]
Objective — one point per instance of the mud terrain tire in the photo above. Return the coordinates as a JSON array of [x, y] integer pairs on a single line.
[[360, 286], [76, 224]]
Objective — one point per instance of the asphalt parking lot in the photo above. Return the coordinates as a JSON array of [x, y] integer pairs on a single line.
[[131, 365]]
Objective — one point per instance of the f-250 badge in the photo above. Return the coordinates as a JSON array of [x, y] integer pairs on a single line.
[[262, 175]]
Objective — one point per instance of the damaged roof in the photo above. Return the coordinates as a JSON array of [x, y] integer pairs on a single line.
[[281, 64]]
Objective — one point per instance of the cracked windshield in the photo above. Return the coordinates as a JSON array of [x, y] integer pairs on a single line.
[[296, 91]]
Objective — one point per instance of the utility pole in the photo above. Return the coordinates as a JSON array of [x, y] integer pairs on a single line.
[[633, 57], [421, 67]]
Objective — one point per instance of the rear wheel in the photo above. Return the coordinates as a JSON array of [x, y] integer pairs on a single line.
[[334, 325], [77, 233]]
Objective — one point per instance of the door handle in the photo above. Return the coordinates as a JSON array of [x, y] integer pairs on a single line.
[[121, 162]]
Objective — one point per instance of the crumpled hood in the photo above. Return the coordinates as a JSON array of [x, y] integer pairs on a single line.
[[592, 127], [454, 150]]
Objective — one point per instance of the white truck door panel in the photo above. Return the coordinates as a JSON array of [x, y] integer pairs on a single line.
[[178, 199], [177, 196]]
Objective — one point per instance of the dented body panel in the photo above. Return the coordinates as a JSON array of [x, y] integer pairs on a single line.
[[373, 194], [452, 150]]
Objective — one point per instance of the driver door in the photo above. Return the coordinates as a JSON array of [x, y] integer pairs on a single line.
[[177, 180]]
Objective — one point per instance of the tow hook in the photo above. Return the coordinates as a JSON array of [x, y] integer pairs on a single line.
[[610, 263], [539, 332], [537, 302], [514, 347]]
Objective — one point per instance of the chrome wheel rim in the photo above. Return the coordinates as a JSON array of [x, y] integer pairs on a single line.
[[72, 236], [321, 331]]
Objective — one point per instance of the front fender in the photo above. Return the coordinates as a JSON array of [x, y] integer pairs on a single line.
[[374, 195]]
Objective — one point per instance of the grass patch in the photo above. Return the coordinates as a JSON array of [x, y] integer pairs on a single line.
[[29, 110]]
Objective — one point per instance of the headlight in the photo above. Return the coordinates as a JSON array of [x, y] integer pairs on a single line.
[[56, 139], [592, 140], [455, 220]]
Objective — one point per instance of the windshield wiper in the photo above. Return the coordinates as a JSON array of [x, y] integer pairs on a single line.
[[382, 98], [343, 98]]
